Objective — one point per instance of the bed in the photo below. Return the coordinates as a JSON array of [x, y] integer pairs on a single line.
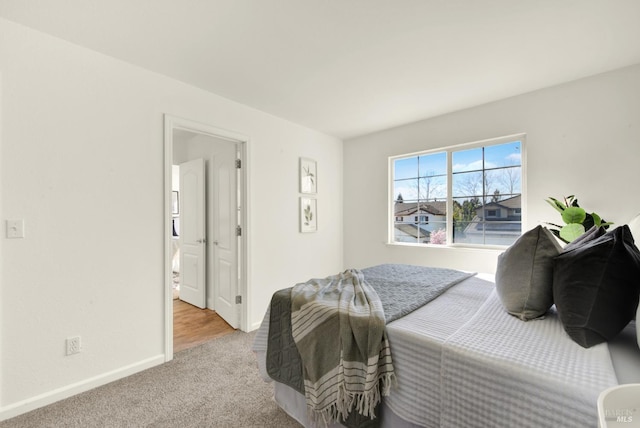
[[462, 360]]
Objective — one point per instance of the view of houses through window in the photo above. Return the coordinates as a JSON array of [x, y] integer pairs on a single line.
[[463, 195]]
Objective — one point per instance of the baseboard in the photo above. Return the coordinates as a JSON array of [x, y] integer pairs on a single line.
[[58, 394], [254, 326]]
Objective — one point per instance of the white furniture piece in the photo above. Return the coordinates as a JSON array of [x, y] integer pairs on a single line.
[[619, 406]]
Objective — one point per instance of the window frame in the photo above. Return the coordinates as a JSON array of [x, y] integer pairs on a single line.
[[449, 150]]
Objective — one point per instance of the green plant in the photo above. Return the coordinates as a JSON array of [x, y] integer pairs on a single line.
[[577, 220], [308, 215]]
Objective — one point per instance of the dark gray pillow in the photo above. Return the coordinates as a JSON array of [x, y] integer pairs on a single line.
[[591, 234], [596, 287], [524, 275]]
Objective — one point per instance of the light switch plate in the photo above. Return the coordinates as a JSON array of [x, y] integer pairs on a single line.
[[15, 228]]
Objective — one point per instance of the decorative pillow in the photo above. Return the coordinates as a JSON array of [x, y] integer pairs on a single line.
[[596, 287], [589, 235], [638, 328], [524, 275], [634, 227]]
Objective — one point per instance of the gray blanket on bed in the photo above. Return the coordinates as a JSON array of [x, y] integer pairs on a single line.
[[405, 288], [401, 288], [339, 329]]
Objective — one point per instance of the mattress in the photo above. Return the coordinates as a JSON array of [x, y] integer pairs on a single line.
[[462, 361]]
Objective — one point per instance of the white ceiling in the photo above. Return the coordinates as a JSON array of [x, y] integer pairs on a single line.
[[351, 67]]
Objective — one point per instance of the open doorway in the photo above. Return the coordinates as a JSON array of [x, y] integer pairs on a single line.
[[204, 188], [193, 326]]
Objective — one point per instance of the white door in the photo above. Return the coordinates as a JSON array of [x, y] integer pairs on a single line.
[[192, 233], [225, 239]]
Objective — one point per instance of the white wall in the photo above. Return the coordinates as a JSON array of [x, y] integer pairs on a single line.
[[583, 138], [81, 146]]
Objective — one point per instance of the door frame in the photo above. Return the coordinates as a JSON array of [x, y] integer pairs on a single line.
[[170, 124]]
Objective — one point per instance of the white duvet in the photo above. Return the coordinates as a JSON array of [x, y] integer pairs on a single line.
[[462, 361]]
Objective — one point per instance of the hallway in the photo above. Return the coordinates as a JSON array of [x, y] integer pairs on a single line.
[[193, 326]]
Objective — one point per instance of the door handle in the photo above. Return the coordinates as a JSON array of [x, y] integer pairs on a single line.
[[201, 241], [215, 242]]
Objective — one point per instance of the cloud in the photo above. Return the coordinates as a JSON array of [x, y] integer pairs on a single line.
[[473, 166], [514, 158]]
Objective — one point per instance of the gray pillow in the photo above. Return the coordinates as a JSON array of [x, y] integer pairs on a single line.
[[524, 275], [596, 287]]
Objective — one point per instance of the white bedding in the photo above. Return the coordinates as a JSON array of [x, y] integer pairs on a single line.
[[416, 341], [461, 360], [499, 371]]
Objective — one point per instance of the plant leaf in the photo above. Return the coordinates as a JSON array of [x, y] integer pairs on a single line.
[[554, 225], [571, 231], [556, 233], [589, 222], [556, 204], [574, 215]]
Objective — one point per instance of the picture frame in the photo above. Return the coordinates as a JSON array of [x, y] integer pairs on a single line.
[[308, 214], [175, 203], [308, 176]]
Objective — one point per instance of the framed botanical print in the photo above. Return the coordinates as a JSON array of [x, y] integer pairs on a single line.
[[308, 215], [308, 176]]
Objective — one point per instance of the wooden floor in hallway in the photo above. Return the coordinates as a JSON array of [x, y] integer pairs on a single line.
[[193, 326]]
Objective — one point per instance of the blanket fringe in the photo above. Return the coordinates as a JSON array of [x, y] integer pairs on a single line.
[[363, 403]]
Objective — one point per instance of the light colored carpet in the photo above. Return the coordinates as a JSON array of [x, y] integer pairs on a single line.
[[212, 385]]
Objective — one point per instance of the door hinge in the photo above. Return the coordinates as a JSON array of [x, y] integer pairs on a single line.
[[238, 163], [238, 230], [238, 300]]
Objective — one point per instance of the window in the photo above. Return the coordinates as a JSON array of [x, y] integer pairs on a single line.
[[462, 195], [421, 219]]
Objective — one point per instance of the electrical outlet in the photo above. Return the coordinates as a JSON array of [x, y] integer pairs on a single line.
[[73, 345]]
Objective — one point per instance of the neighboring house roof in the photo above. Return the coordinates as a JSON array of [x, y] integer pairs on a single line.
[[510, 203], [408, 208], [497, 225], [412, 230], [477, 226]]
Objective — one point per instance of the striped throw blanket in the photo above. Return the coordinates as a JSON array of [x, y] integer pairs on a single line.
[[338, 326]]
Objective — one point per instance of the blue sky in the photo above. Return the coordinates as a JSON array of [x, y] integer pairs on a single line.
[[495, 156], [434, 165]]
